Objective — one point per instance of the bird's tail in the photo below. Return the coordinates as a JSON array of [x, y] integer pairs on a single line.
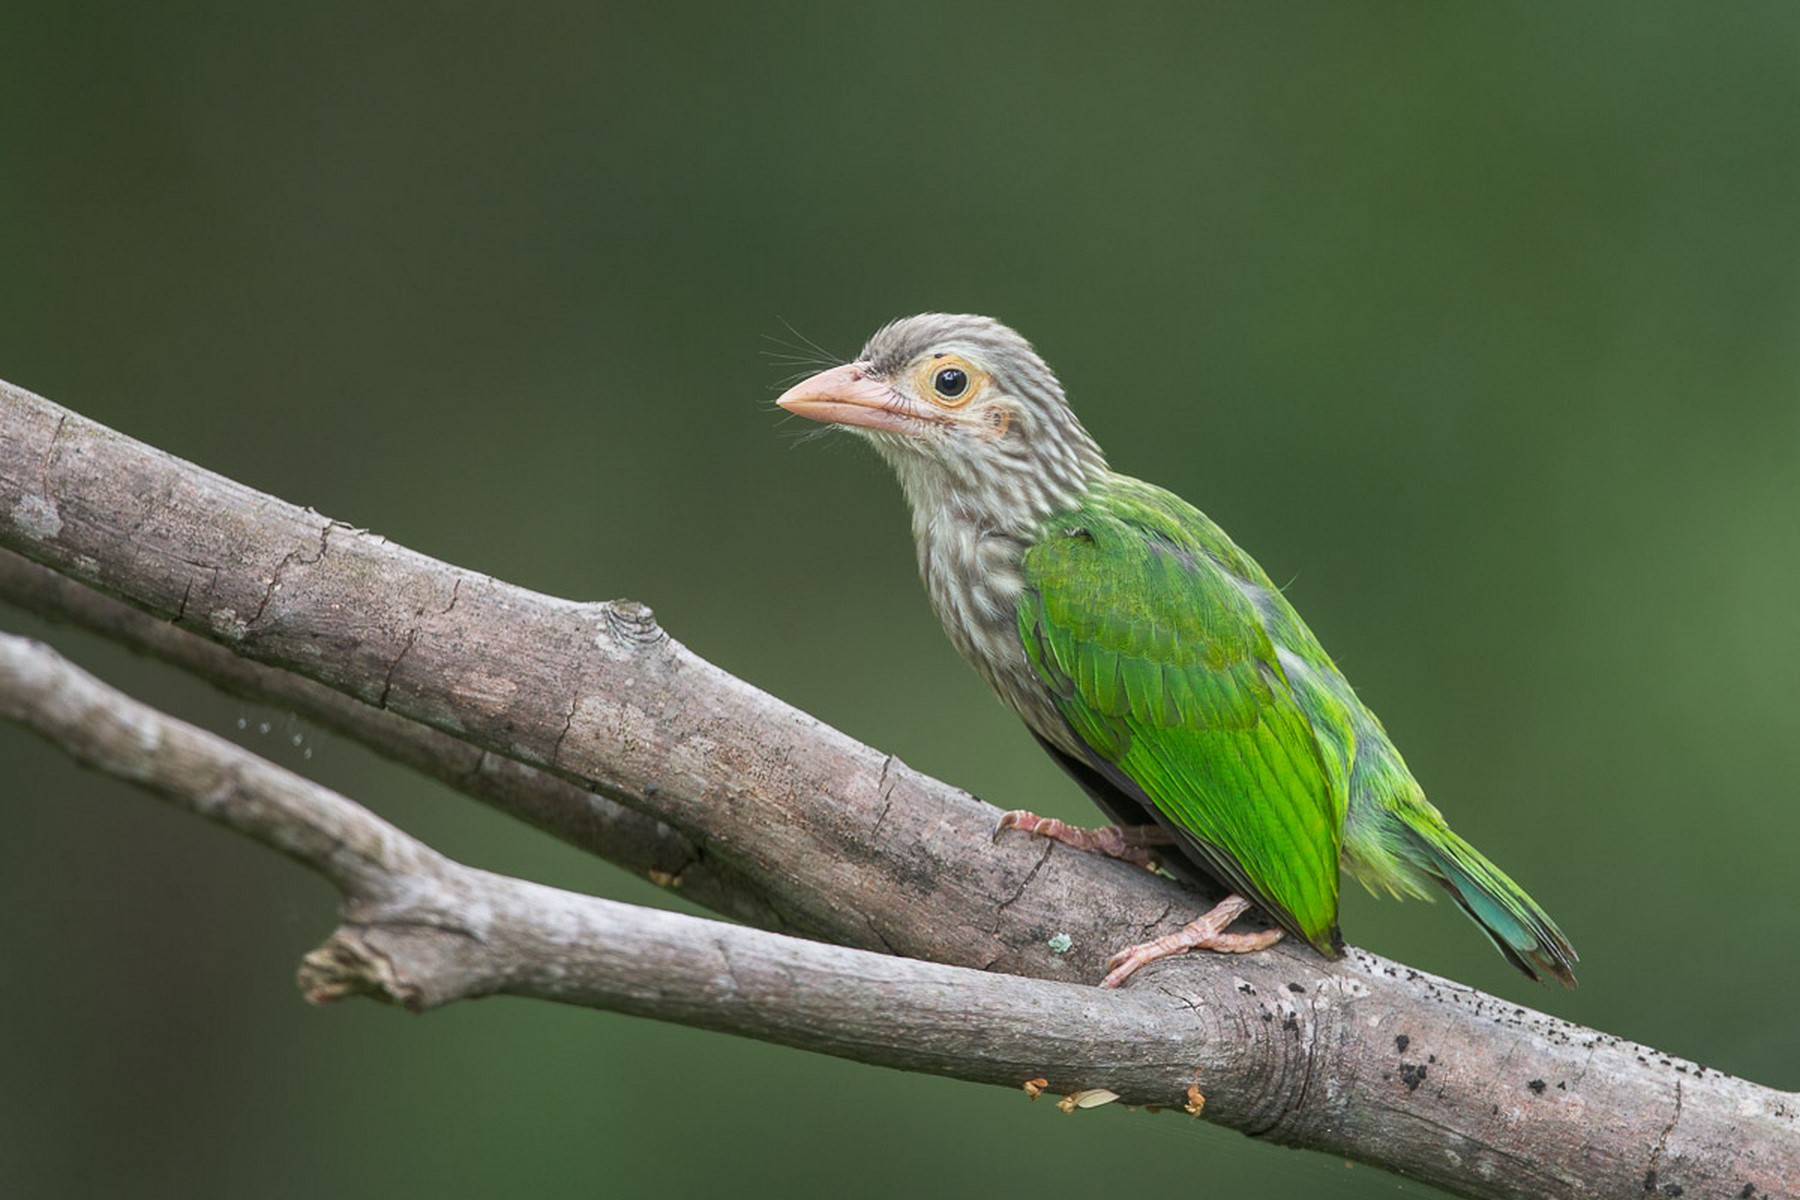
[[1522, 931]]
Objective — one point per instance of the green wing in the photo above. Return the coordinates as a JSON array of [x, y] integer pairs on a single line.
[[1161, 665]]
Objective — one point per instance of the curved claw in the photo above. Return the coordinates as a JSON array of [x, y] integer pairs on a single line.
[[1010, 820], [1026, 821]]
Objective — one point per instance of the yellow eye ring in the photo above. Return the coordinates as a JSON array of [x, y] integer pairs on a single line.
[[949, 380]]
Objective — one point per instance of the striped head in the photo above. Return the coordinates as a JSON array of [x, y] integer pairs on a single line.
[[967, 414]]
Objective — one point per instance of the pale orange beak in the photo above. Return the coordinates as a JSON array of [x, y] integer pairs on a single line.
[[851, 395]]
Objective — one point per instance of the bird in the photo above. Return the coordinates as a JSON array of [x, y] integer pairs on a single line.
[[1151, 657]]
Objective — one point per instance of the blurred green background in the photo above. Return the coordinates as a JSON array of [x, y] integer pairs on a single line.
[[1477, 324]]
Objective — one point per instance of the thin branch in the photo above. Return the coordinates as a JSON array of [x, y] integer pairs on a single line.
[[201, 772], [422, 930], [1362, 1057]]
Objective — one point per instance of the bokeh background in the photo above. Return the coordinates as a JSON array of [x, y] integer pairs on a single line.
[[1476, 324]]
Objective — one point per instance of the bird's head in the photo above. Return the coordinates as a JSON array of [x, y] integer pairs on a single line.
[[965, 411]]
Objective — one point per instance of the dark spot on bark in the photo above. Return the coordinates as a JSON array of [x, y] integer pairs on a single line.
[[1246, 989], [1402, 1042], [1267, 1017], [1563, 1086], [1672, 1189], [1749, 1192], [1537, 1086], [1292, 1023], [1412, 1075], [1431, 1058], [1650, 1180], [1294, 987]]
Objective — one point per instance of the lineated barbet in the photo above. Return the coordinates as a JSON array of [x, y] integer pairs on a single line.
[[1152, 658]]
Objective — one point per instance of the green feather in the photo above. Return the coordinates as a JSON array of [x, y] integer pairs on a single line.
[[1162, 668], [1185, 674]]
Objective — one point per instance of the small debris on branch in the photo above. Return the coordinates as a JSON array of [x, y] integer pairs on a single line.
[[1086, 1098]]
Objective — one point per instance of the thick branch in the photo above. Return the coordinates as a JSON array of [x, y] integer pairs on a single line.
[[637, 842], [1363, 1057]]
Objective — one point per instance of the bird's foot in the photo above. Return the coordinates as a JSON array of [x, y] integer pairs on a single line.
[[1127, 842], [1204, 933]]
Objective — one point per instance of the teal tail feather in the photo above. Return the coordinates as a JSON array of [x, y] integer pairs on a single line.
[[1519, 929]]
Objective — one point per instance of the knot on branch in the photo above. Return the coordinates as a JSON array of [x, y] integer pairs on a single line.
[[633, 623], [347, 965]]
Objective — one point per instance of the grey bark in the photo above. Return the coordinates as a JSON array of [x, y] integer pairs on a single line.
[[423, 931], [821, 835], [591, 822]]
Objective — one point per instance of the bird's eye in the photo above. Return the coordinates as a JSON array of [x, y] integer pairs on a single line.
[[950, 382]]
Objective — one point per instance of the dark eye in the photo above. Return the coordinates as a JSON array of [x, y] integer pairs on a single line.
[[950, 382]]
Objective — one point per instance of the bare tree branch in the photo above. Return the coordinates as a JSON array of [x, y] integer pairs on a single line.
[[1363, 1057], [637, 842]]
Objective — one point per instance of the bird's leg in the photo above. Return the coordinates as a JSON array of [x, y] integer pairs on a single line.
[[1127, 842], [1204, 933]]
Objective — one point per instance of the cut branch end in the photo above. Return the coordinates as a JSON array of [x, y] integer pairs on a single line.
[[347, 966]]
